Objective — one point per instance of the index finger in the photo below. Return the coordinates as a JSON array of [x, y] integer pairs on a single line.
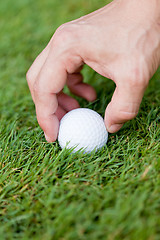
[[49, 82]]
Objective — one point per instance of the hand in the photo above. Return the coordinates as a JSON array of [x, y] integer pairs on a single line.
[[120, 41]]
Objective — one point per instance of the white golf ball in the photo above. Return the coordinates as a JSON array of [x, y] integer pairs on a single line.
[[84, 129]]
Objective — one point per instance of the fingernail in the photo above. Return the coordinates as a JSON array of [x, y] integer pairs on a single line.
[[115, 127]]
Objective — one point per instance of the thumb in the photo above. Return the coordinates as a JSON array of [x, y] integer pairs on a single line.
[[124, 105]]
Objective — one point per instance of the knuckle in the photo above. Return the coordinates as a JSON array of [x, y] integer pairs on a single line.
[[127, 115], [126, 112], [41, 122], [36, 88], [28, 77], [64, 34], [138, 76], [136, 80], [42, 117]]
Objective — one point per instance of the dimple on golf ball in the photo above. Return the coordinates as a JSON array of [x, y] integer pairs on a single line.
[[84, 129]]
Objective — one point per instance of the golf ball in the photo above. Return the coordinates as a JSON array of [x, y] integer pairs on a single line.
[[84, 129]]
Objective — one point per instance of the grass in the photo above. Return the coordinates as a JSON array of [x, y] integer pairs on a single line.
[[48, 193]]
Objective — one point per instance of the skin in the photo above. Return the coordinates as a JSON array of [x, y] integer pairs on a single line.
[[120, 41]]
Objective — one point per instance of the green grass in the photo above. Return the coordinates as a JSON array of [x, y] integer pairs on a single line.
[[47, 193]]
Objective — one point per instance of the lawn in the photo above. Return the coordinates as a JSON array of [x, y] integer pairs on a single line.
[[47, 193]]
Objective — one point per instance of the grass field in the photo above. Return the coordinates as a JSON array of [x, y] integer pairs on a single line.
[[47, 193]]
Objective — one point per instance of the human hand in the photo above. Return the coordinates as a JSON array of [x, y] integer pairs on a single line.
[[120, 41]]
